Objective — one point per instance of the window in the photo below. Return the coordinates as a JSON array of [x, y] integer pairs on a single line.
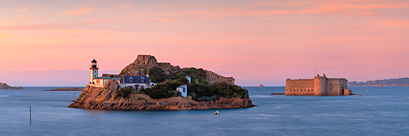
[[130, 79], [184, 89], [142, 80]]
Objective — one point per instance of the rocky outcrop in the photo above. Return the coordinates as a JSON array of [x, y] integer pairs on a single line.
[[5, 86], [106, 98], [67, 89], [212, 77], [143, 62], [261, 85]]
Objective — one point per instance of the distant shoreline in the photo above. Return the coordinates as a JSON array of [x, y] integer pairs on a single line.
[[67, 89], [378, 85]]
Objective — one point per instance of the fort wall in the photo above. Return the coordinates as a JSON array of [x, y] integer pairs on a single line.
[[319, 86], [299, 87]]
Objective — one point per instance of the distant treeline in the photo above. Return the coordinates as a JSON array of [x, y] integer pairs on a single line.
[[384, 82]]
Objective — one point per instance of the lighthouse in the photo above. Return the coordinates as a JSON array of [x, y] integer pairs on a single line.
[[94, 70]]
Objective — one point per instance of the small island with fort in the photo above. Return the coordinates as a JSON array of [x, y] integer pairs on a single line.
[[147, 84], [318, 86]]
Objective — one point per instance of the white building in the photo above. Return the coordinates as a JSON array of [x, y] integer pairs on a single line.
[[189, 78], [183, 90], [94, 79], [137, 82]]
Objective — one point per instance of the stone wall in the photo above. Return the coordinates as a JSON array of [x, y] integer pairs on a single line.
[[318, 86], [299, 87]]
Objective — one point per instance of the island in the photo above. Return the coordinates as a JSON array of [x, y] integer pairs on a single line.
[[318, 86], [147, 84], [384, 82], [7, 87], [67, 89]]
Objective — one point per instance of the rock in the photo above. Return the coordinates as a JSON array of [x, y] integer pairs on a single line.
[[112, 85], [5, 86], [106, 99], [145, 59], [261, 85], [212, 77], [144, 62], [277, 93]]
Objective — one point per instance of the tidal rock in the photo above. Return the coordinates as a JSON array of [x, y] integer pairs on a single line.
[[5, 86], [261, 85]]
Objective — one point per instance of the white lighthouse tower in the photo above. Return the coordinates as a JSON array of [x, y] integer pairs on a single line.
[[94, 70]]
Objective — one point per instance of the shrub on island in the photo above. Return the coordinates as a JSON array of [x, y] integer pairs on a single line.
[[124, 92], [161, 91], [202, 92]]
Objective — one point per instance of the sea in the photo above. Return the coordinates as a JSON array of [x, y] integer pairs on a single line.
[[377, 112]]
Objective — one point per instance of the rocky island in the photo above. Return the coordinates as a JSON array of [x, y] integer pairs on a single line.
[[7, 87], [206, 91]]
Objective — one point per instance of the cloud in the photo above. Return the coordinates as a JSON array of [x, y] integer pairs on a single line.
[[24, 10], [128, 19], [395, 23], [5, 35], [79, 11], [26, 17], [31, 27]]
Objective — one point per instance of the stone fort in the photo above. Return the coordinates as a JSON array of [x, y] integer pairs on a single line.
[[319, 86]]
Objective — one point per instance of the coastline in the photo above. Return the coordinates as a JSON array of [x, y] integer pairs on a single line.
[[67, 89], [106, 98]]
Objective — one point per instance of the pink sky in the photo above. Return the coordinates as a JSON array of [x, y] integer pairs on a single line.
[[51, 43]]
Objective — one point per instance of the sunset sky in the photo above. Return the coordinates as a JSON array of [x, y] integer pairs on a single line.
[[51, 43]]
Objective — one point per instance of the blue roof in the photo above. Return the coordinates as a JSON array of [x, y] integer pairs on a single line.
[[136, 79]]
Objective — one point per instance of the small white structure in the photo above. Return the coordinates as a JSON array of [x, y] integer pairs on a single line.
[[189, 78], [182, 89], [94, 79]]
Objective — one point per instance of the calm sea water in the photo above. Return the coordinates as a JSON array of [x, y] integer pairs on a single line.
[[378, 112]]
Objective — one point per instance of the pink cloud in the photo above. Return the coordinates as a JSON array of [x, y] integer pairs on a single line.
[[80, 11], [395, 23]]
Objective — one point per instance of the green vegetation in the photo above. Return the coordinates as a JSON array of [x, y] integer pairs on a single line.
[[138, 92], [156, 74], [138, 98], [141, 98], [161, 91], [195, 74], [199, 89], [99, 93], [124, 92], [202, 92]]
